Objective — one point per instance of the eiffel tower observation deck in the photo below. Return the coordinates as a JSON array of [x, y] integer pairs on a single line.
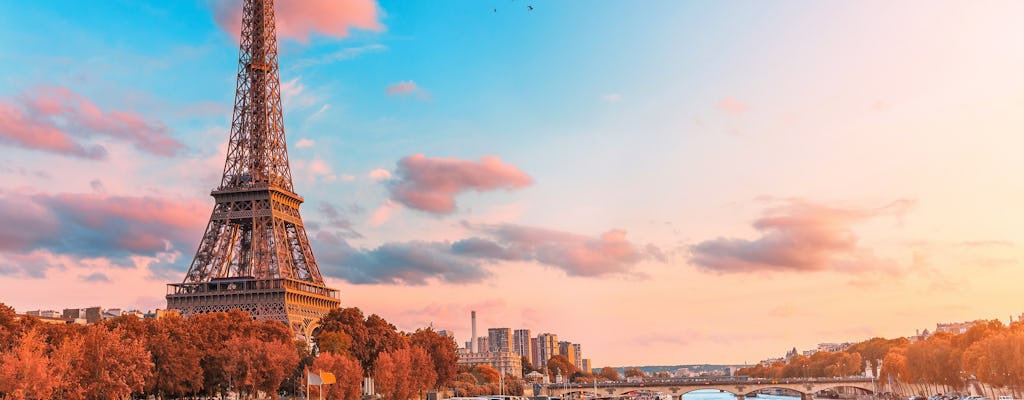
[[255, 254]]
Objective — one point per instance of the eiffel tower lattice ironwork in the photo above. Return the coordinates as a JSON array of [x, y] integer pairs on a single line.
[[255, 253]]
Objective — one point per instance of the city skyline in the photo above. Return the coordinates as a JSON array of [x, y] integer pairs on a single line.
[[666, 183]]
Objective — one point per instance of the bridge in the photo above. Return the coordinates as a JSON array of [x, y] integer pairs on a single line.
[[739, 386]]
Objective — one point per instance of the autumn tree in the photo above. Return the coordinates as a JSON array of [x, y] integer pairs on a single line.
[[105, 364], [934, 361], [11, 327], [485, 374], [370, 336], [894, 364], [442, 352], [212, 332], [27, 371], [175, 356], [633, 372], [403, 373], [527, 365], [609, 374], [560, 365], [347, 372], [335, 342]]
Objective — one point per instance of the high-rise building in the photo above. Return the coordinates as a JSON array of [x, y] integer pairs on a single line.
[[535, 352], [482, 346], [255, 254], [587, 368], [547, 343], [521, 343], [499, 340], [473, 348], [577, 351], [569, 351]]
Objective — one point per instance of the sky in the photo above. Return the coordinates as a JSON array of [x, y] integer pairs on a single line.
[[663, 182]]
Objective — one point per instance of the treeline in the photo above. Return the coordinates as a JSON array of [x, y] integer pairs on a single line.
[[208, 355], [989, 352], [212, 355]]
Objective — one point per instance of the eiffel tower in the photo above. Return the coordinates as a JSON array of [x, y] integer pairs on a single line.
[[255, 253]]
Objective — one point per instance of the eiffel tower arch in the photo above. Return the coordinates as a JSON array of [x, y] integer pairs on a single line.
[[255, 254]]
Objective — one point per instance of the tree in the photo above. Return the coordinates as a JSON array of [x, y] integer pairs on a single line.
[[609, 374], [894, 364], [560, 365], [105, 364], [347, 372], [633, 372], [175, 356], [527, 365], [370, 336], [485, 374], [442, 352], [212, 332], [10, 330], [404, 372], [335, 342], [26, 370]]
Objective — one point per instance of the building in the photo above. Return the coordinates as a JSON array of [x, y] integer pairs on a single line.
[[535, 352], [833, 347], [45, 314], [506, 363], [577, 350], [521, 343], [255, 255], [499, 340], [482, 344], [569, 350], [536, 377], [957, 327], [91, 315], [547, 346], [586, 366]]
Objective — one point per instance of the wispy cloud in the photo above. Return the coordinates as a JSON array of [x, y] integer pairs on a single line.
[[57, 120], [732, 106], [407, 89], [343, 54]]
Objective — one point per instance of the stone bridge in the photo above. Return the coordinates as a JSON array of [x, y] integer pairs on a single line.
[[676, 387]]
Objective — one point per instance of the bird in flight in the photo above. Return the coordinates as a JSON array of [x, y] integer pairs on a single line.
[[530, 8]]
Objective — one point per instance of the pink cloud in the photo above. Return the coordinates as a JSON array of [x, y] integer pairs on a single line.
[[407, 88], [300, 20], [732, 106], [26, 131], [431, 184], [796, 236], [56, 119], [380, 174], [383, 213]]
